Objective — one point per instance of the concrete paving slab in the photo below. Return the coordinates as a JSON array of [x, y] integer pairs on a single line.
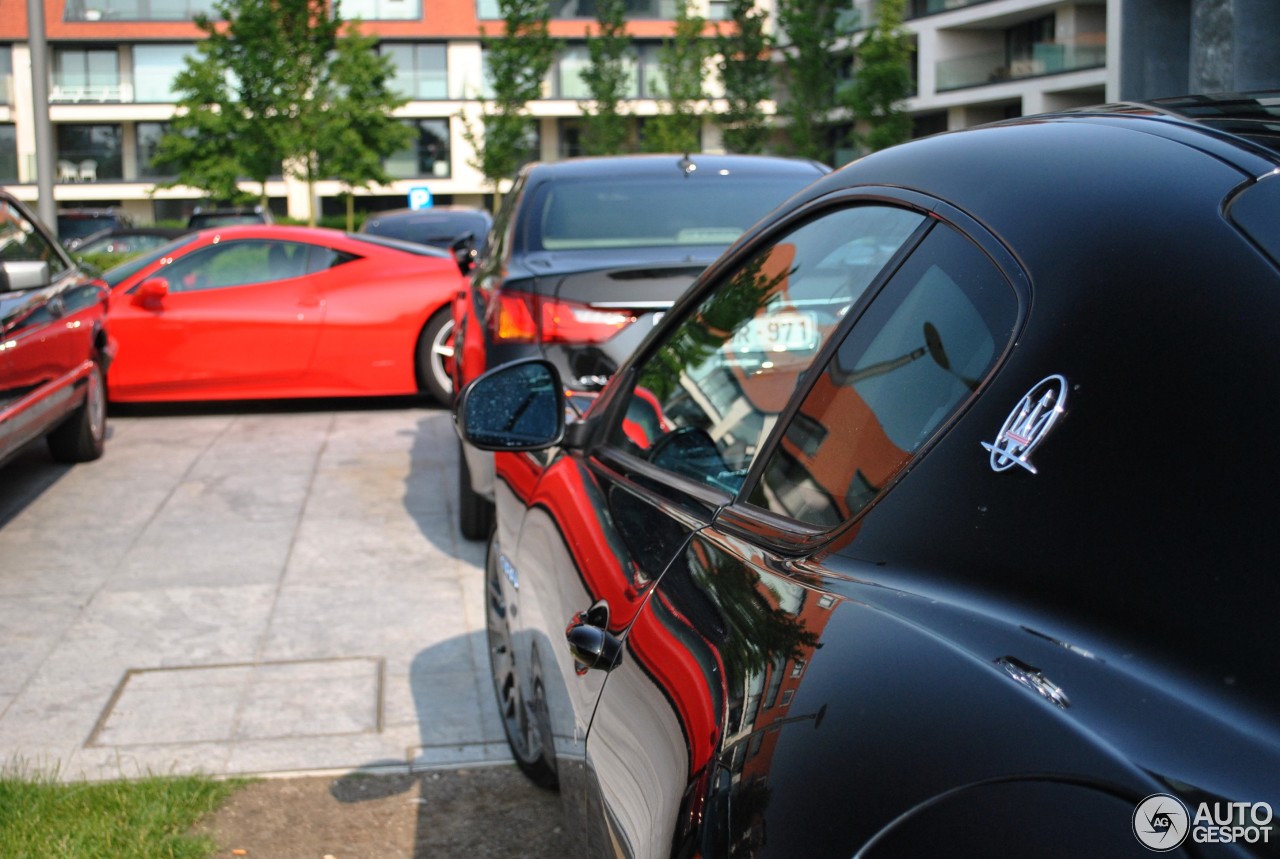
[[244, 590]]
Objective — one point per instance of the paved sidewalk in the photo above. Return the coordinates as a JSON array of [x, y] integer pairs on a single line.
[[261, 592]]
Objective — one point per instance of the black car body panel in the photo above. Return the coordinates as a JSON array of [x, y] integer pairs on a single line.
[[1000, 583]]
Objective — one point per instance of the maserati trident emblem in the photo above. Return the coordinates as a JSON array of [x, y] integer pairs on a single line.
[[1028, 424]]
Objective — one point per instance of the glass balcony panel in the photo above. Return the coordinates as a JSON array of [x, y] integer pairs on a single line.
[[155, 67], [1085, 51], [663, 10], [382, 10]]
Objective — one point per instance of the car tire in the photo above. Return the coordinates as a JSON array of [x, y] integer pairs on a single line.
[[475, 512], [82, 436], [435, 357], [521, 719]]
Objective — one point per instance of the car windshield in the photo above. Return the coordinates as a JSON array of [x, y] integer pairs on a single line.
[[654, 211], [202, 222], [440, 230], [78, 226], [118, 274]]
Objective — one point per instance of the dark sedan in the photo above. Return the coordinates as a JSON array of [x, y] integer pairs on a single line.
[[587, 254], [934, 520]]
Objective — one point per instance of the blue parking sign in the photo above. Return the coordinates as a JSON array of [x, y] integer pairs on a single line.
[[419, 198]]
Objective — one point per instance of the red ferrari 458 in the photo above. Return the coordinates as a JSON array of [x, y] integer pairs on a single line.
[[260, 311]]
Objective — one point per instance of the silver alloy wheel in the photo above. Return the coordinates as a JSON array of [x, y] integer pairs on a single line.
[[521, 735], [95, 404], [441, 356]]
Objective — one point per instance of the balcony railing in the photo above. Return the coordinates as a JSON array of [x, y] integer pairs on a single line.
[[1088, 51], [918, 8], [94, 93], [137, 10]]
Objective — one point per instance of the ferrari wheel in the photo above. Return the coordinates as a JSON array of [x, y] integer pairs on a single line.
[[82, 436], [435, 358], [519, 718]]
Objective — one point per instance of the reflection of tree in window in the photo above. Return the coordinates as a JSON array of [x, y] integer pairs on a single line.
[[913, 358]]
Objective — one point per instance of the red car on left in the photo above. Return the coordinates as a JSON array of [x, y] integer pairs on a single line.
[[54, 349], [267, 311]]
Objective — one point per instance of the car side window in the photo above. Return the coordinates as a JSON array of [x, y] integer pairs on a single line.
[[707, 398], [236, 263], [909, 363], [21, 241]]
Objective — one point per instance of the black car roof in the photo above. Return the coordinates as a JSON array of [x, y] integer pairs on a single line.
[[658, 164]]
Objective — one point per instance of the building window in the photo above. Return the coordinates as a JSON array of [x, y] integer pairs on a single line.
[[427, 155], [664, 10], [421, 70], [6, 74], [86, 75], [148, 141], [154, 68], [137, 10], [8, 153], [575, 59], [88, 153], [382, 10]]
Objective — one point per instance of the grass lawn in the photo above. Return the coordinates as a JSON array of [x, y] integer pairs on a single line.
[[146, 818]]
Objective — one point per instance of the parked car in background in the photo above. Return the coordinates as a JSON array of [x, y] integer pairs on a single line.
[[934, 520], [74, 225], [460, 229], [126, 241], [223, 216], [54, 349], [587, 254], [254, 311]]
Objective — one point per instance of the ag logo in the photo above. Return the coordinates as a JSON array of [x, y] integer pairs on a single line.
[[1028, 424], [1161, 822]]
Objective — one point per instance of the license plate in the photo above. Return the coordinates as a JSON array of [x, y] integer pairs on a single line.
[[791, 331]]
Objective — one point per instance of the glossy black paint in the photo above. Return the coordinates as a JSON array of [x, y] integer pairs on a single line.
[[975, 662]]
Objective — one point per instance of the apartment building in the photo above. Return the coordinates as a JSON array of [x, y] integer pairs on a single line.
[[112, 64]]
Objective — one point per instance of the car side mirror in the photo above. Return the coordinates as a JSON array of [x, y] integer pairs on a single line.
[[151, 293], [514, 407], [464, 252], [17, 275]]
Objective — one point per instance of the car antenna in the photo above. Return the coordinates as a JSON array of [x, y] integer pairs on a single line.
[[687, 165]]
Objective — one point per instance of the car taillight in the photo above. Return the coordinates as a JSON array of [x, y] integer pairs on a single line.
[[513, 320], [517, 316], [567, 322]]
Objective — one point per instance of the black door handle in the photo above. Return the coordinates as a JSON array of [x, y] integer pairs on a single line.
[[591, 643]]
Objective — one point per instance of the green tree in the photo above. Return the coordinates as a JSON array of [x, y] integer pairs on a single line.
[[272, 86], [747, 75], [605, 128], [355, 129], [682, 59], [810, 74], [233, 96], [517, 63], [882, 80]]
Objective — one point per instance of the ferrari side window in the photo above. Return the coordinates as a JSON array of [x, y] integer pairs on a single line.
[[236, 263], [708, 397], [908, 364]]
